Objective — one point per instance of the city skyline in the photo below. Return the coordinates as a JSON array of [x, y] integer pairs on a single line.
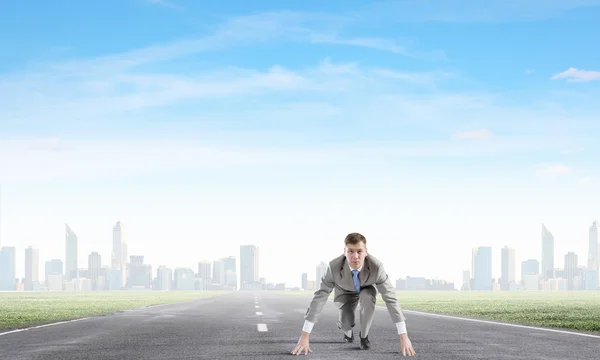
[[558, 260]]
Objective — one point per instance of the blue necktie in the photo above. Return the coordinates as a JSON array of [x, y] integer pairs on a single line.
[[356, 283]]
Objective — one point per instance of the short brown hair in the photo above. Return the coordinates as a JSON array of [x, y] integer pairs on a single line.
[[355, 238]]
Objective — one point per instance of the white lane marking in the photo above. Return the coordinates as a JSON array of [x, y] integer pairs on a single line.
[[262, 327], [256, 306], [41, 326], [258, 313], [503, 324]]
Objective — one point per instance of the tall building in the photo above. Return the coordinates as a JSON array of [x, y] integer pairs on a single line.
[[54, 267], [304, 281], [466, 280], [140, 274], [119, 252], [32, 269], [164, 278], [218, 272], [204, 273], [94, 269], [71, 248], [249, 271], [482, 268], [508, 268], [230, 271], [547, 254], [319, 273], [529, 267], [8, 268], [594, 247], [571, 271], [0, 217]]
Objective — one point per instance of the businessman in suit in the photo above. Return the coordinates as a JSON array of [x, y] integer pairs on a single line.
[[355, 278]]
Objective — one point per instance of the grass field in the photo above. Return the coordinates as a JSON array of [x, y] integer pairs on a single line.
[[575, 310], [24, 309]]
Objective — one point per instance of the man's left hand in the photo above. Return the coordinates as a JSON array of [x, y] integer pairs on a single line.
[[406, 347]]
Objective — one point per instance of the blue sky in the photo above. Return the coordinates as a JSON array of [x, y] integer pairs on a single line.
[[210, 126]]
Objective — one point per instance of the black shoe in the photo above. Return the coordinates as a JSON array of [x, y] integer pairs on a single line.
[[349, 339], [365, 344]]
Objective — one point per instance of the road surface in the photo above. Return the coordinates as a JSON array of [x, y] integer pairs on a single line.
[[266, 325]]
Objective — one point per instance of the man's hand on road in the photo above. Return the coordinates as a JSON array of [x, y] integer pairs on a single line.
[[406, 347], [302, 346]]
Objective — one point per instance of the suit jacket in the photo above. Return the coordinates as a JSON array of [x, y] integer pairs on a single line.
[[338, 277]]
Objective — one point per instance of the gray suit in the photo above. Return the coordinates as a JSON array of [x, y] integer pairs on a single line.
[[372, 278]]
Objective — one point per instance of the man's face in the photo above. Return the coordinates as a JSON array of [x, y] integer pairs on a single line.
[[355, 254]]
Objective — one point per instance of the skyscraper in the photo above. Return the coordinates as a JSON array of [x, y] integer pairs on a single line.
[[0, 216], [8, 267], [319, 273], [508, 267], [571, 265], [482, 268], [547, 254], [94, 268], [71, 246], [32, 268], [248, 264], [119, 252], [594, 247]]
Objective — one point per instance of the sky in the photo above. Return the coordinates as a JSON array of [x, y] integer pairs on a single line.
[[429, 127]]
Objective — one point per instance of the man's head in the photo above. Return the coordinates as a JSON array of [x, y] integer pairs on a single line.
[[355, 249]]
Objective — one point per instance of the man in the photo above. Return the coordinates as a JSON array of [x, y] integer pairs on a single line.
[[356, 278]]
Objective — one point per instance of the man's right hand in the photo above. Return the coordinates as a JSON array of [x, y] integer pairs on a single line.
[[302, 345]]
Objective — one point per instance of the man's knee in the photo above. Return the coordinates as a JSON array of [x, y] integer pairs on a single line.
[[346, 320], [368, 296]]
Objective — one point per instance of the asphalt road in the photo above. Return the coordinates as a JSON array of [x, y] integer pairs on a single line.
[[266, 325]]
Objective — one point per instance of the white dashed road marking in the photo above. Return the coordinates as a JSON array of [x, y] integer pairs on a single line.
[[262, 327]]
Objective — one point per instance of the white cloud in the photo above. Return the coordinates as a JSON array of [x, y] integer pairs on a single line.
[[529, 71], [475, 134], [572, 150], [423, 78], [166, 3], [576, 75], [268, 27], [469, 10], [589, 180], [379, 44], [554, 169]]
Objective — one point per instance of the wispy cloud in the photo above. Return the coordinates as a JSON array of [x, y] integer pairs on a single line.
[[379, 44], [166, 3], [589, 180], [572, 150], [423, 78], [553, 169], [271, 27], [94, 95], [575, 75], [471, 10], [529, 71], [475, 134]]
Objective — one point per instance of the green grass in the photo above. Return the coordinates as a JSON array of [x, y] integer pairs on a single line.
[[24, 309], [573, 310]]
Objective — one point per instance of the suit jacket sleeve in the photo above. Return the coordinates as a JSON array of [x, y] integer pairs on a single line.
[[320, 296], [388, 294]]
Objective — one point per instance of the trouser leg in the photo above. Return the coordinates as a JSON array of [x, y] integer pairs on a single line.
[[347, 308], [367, 300]]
